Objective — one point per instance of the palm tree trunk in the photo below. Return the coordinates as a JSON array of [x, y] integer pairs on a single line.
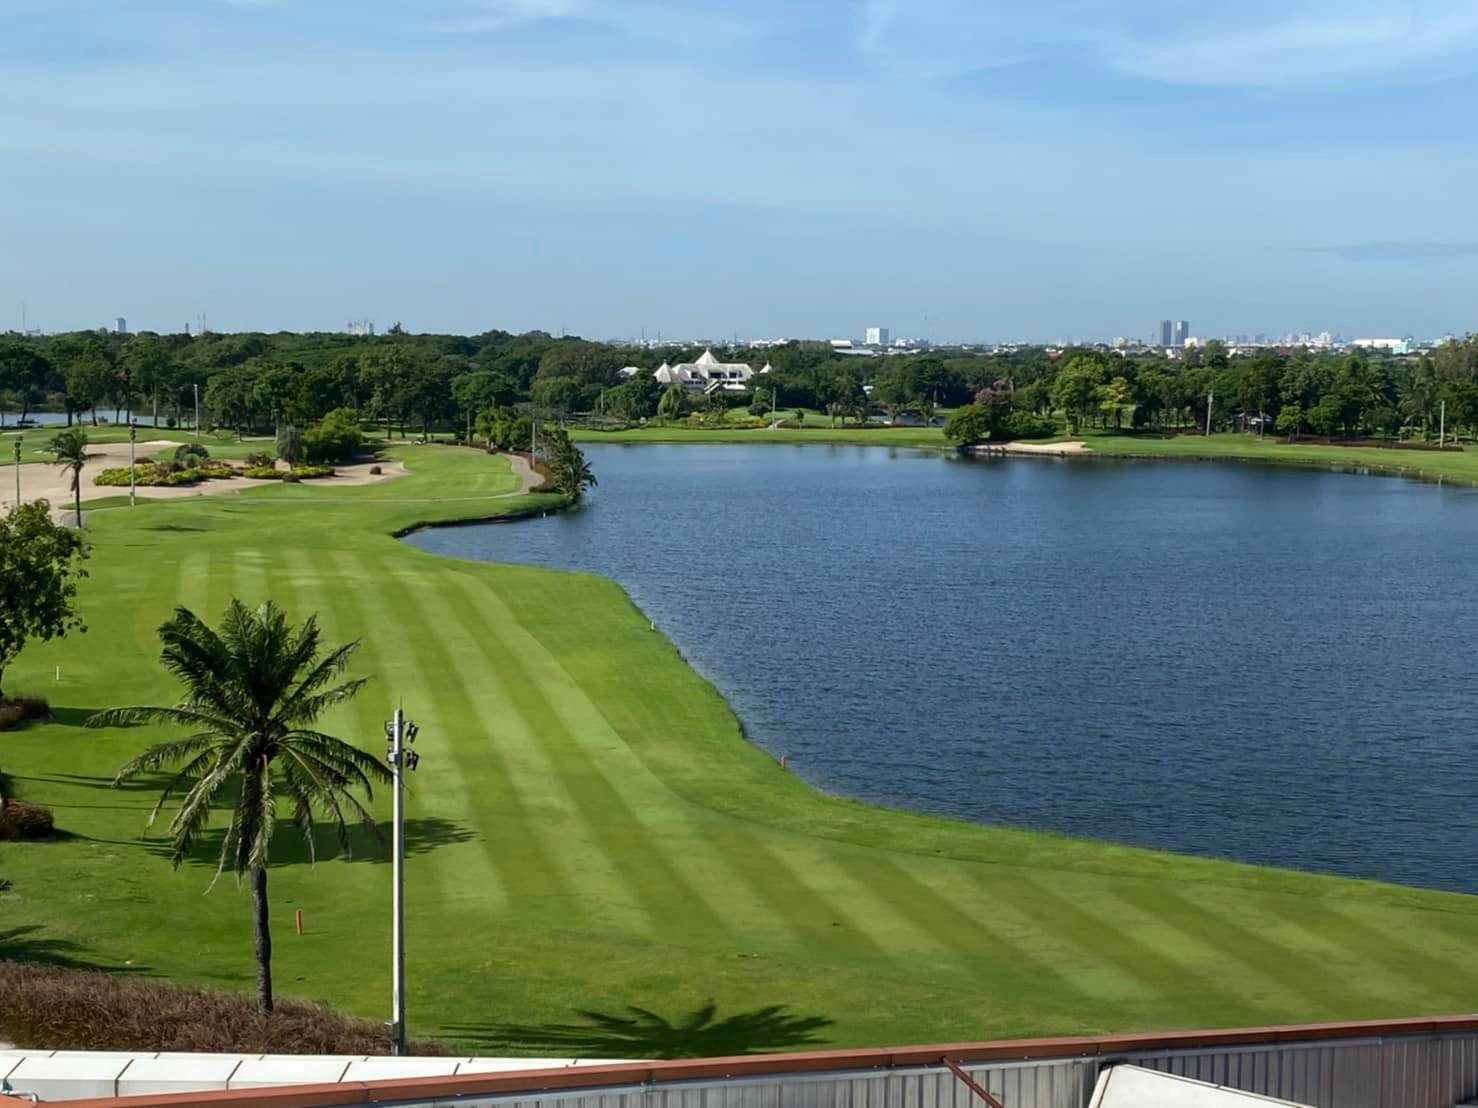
[[262, 935]]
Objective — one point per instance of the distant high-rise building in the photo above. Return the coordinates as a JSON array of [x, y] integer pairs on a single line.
[[876, 336], [1182, 332], [1167, 333], [360, 327], [122, 327]]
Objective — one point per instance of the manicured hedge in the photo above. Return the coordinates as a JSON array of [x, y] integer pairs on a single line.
[[162, 475], [67, 1009], [20, 820], [263, 473], [18, 710]]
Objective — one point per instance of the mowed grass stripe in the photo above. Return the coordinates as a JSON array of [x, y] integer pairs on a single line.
[[1262, 970], [1001, 957], [1404, 973], [572, 859], [648, 809], [464, 869], [613, 862], [1202, 990], [1326, 969]]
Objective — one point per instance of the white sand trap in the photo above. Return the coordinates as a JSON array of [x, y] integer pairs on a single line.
[[1054, 449], [48, 481]]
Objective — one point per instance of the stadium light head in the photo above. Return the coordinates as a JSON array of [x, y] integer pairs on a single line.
[[411, 731]]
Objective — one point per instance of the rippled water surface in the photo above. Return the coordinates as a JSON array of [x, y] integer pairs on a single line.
[[1266, 664]]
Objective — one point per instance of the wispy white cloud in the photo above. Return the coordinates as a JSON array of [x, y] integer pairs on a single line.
[[1256, 43], [499, 15], [670, 24]]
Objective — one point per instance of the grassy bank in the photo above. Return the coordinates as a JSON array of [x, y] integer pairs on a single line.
[[589, 831], [1235, 446], [857, 436]]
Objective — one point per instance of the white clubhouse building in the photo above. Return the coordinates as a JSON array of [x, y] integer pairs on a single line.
[[706, 375]]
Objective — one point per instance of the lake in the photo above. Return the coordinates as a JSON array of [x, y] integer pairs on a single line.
[[1272, 665]]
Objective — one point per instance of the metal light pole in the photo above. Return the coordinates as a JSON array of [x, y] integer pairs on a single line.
[[17, 473], [197, 413], [400, 731], [1210, 396], [1441, 435], [133, 438]]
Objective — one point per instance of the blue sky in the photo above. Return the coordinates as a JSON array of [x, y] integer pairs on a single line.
[[949, 168]]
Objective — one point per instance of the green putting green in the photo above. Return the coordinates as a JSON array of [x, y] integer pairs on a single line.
[[589, 832]]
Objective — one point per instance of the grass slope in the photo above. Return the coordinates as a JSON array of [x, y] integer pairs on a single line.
[[589, 831], [1236, 446], [863, 436]]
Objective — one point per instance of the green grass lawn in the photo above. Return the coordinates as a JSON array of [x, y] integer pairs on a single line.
[[866, 436], [1449, 464], [589, 831]]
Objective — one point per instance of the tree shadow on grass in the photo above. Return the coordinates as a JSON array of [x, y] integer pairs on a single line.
[[422, 835], [29, 944], [642, 1033], [78, 717], [152, 783]]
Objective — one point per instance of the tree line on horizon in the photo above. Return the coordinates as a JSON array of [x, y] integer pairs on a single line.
[[259, 382]]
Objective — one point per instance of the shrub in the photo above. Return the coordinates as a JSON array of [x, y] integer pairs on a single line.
[[68, 1009], [1025, 425], [162, 474], [20, 820], [264, 473], [309, 471], [374, 471], [190, 454], [20, 709], [336, 439], [260, 459], [290, 478]]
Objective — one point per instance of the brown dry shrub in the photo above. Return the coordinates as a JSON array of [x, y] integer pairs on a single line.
[[19, 820], [15, 711], [54, 1008]]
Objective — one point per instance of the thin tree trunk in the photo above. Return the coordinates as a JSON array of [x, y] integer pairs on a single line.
[[262, 935]]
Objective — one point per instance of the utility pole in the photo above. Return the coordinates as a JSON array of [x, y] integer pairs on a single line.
[[133, 437], [197, 412], [17, 473], [1210, 397], [400, 731], [1442, 435]]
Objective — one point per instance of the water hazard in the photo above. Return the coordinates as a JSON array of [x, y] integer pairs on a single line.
[[1264, 664]]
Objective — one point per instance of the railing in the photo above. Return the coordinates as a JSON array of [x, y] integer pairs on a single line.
[[1428, 1063]]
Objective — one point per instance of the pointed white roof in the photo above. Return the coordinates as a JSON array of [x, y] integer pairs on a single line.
[[766, 369], [707, 359]]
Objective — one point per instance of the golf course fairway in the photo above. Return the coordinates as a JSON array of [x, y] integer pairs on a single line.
[[590, 833]]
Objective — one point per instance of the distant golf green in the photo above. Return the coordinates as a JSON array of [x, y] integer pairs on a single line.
[[589, 831], [873, 435]]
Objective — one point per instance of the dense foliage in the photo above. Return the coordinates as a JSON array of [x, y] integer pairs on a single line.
[[270, 384], [40, 565]]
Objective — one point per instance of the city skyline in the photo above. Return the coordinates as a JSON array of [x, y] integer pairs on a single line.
[[525, 162]]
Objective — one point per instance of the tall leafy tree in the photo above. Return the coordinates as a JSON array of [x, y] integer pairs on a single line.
[[252, 692], [40, 565], [69, 447]]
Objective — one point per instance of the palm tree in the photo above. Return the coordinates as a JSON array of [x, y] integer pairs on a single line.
[[252, 691], [70, 449], [568, 469]]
